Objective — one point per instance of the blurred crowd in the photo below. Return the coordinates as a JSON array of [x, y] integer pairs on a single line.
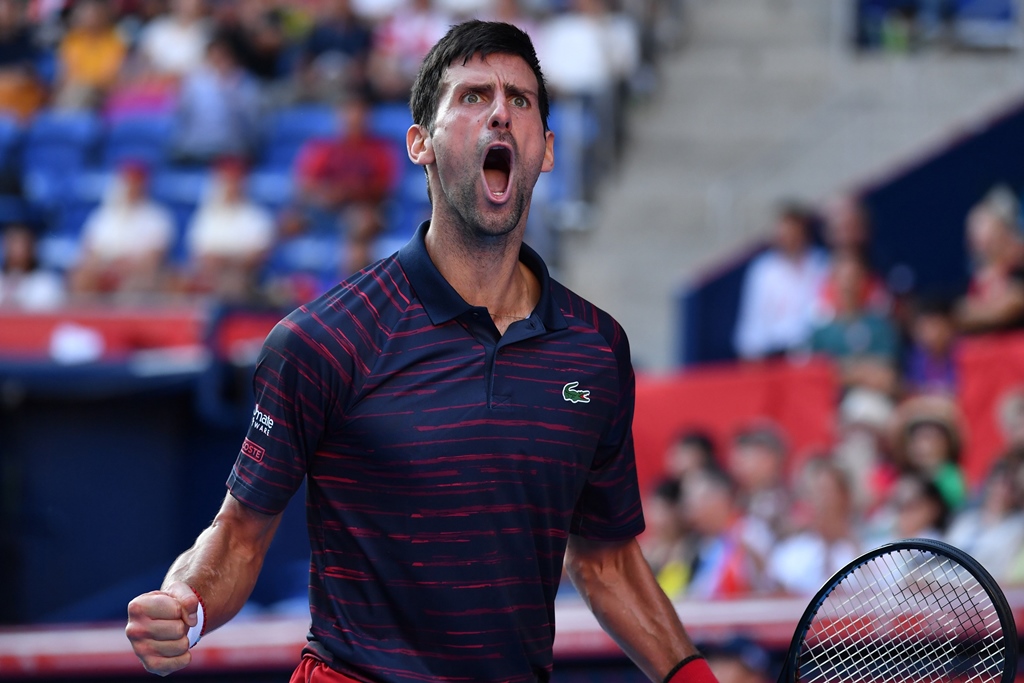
[[218, 71], [751, 516], [905, 26]]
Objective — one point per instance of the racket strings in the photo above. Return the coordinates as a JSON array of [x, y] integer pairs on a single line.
[[904, 617]]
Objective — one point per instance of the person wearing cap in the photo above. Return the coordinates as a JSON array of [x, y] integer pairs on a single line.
[[125, 240], [228, 237]]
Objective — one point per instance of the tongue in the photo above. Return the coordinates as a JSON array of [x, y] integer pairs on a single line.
[[497, 180]]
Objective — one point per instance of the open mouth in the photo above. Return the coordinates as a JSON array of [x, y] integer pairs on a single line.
[[497, 169]]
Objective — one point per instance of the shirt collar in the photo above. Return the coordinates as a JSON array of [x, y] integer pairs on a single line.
[[440, 300]]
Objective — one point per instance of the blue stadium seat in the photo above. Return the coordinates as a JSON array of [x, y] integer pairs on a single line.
[[13, 209], [11, 133], [288, 129], [987, 23], [317, 255], [46, 188], [58, 140], [391, 121], [179, 186], [91, 186], [138, 138], [273, 189]]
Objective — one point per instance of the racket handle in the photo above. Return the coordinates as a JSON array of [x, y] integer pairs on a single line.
[[693, 669]]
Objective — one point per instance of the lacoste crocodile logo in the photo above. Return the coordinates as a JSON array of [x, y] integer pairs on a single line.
[[573, 395]]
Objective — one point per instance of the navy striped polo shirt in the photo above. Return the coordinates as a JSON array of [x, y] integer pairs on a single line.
[[446, 466]]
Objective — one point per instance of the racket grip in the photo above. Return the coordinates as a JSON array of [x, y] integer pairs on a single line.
[[693, 669]]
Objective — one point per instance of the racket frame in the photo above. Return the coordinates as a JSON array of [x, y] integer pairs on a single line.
[[975, 568]]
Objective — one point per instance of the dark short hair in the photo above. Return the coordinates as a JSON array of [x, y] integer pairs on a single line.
[[796, 211], [761, 433], [464, 41], [700, 440]]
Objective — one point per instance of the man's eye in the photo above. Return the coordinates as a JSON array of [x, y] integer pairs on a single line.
[[471, 98], [520, 101]]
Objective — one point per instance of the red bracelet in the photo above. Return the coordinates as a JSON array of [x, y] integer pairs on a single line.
[[693, 669]]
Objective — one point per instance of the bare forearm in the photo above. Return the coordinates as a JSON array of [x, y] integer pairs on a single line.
[[623, 594], [223, 564]]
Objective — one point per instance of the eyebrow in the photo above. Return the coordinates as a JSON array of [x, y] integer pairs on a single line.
[[489, 87]]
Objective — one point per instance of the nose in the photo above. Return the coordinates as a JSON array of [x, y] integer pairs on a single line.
[[500, 116]]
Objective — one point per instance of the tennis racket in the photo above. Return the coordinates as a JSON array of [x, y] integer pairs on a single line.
[[914, 611]]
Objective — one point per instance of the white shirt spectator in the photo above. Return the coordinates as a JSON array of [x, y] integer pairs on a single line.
[[230, 230], [778, 302], [118, 229], [39, 290], [376, 11], [574, 49], [173, 47], [801, 564], [994, 543]]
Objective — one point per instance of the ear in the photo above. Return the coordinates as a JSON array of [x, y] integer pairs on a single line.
[[419, 145], [549, 152]]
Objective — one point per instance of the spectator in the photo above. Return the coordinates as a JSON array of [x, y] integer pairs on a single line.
[[90, 57], [863, 449], [756, 462], [376, 12], [863, 343], [1010, 416], [24, 283], [21, 91], [513, 12], [590, 53], [334, 55], [125, 240], [929, 441], [691, 450], [826, 541], [995, 298], [229, 237], [173, 45], [461, 10], [349, 177], [219, 110], [780, 288], [255, 31], [738, 660], [723, 565], [929, 364], [915, 509], [666, 543], [399, 45], [992, 530], [847, 235]]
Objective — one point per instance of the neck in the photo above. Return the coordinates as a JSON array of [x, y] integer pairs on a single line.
[[486, 272]]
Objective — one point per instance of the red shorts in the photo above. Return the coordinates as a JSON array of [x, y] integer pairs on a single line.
[[312, 670]]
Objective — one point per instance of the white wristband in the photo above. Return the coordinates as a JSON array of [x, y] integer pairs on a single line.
[[196, 632]]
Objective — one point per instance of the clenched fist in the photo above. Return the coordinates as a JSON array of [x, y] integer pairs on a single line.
[[158, 624]]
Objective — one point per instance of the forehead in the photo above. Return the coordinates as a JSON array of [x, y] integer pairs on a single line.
[[501, 69]]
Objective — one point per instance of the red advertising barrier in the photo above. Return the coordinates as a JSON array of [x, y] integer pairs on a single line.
[[273, 643], [799, 397], [990, 367]]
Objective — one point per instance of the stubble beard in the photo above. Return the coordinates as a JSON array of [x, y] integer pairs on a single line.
[[488, 229], [477, 227]]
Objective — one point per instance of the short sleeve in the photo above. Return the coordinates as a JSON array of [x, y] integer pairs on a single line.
[[609, 507], [295, 389]]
